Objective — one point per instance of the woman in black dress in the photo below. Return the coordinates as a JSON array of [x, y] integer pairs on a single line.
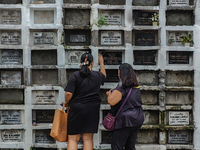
[[130, 119], [82, 95]]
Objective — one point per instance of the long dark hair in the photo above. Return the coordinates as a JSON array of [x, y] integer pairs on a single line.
[[127, 75], [86, 60]]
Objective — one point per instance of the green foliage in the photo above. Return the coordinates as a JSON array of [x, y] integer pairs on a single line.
[[102, 21], [187, 39], [155, 17]]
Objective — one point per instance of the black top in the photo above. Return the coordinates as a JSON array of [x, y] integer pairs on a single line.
[[85, 102], [131, 114]]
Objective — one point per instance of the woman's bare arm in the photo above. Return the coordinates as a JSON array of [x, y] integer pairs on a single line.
[[114, 97], [68, 97]]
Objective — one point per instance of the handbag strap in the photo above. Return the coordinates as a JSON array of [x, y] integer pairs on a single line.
[[123, 103]]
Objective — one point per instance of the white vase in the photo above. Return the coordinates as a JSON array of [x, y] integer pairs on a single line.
[[155, 23], [187, 44]]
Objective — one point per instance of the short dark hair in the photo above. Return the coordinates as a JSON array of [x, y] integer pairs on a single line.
[[85, 71], [127, 75]]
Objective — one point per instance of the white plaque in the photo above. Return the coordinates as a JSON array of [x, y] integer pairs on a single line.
[[112, 17], [10, 17], [43, 38], [11, 135], [44, 97], [11, 77], [179, 2], [10, 38], [178, 118], [43, 17], [178, 137], [74, 57], [111, 37], [10, 117], [11, 57]]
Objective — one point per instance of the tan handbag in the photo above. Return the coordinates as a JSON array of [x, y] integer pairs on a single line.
[[59, 127]]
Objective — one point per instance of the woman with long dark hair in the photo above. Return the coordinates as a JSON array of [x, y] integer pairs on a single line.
[[82, 95], [130, 118]]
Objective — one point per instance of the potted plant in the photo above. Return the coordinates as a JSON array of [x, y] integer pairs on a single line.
[[155, 19], [187, 40]]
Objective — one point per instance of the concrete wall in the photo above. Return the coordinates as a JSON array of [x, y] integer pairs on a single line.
[[42, 52]]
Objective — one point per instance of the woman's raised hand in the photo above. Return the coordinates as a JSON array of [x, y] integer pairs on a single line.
[[101, 61]]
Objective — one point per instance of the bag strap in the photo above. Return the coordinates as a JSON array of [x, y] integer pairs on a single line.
[[123, 103]]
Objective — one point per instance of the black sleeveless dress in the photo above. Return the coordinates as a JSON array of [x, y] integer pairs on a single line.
[[85, 103]]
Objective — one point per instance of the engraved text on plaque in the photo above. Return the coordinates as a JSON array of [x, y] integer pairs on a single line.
[[179, 2], [43, 38], [12, 135], [10, 117], [111, 38], [10, 38], [10, 17], [178, 118], [11, 57], [44, 97], [43, 136], [178, 137], [112, 17], [43, 17], [74, 57]]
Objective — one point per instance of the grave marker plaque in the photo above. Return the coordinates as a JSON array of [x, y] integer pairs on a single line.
[[74, 57], [11, 77], [43, 17], [144, 58], [77, 37], [179, 118], [77, 17], [17, 96], [179, 18], [143, 18], [179, 57], [10, 117], [10, 17], [12, 135], [42, 1], [43, 38], [145, 2], [44, 57], [175, 37], [44, 116], [112, 2], [112, 17], [77, 1], [112, 58], [43, 136], [10, 1], [178, 137], [179, 2], [112, 75], [10, 38], [145, 39], [44, 76], [44, 97], [11, 57], [111, 38]]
